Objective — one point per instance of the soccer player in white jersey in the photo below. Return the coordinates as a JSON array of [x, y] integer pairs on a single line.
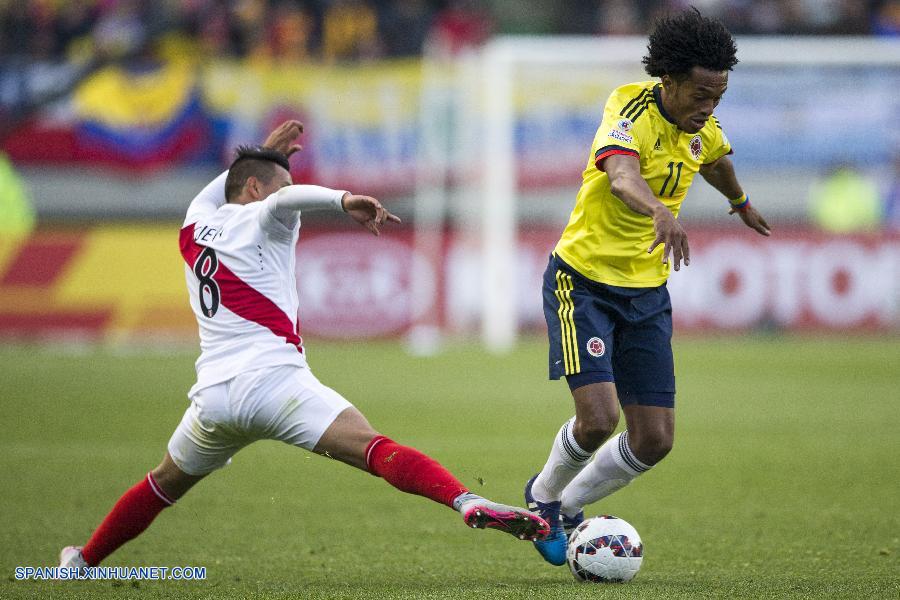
[[253, 383]]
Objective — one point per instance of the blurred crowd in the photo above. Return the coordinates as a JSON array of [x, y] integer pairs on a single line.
[[290, 30], [349, 30], [754, 17]]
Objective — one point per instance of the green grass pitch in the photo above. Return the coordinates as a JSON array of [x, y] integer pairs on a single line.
[[784, 481]]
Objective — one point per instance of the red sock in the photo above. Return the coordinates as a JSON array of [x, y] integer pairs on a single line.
[[131, 515], [410, 471]]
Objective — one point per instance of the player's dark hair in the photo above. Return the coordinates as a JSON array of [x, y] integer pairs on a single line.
[[681, 42], [252, 161]]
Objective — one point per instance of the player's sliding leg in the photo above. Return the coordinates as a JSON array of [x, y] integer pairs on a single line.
[[351, 439], [620, 460], [413, 472], [132, 514], [197, 447], [596, 416]]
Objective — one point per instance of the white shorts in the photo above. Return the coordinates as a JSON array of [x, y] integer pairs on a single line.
[[284, 403]]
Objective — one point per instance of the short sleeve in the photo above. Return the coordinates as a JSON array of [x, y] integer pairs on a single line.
[[716, 142], [620, 132]]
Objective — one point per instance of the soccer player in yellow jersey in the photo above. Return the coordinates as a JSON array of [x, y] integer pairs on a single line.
[[608, 313]]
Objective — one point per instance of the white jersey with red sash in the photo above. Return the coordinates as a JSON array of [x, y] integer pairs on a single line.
[[240, 269]]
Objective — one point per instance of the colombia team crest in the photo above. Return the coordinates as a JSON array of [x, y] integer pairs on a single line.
[[596, 347], [696, 147]]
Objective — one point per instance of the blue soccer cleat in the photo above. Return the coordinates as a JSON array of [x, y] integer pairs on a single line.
[[553, 547], [571, 523]]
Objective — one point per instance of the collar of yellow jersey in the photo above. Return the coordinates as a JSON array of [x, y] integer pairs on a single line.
[[657, 97]]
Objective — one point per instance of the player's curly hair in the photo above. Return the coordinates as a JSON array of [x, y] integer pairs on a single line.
[[681, 42], [252, 161]]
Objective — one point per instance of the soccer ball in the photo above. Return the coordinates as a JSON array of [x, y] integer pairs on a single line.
[[604, 549]]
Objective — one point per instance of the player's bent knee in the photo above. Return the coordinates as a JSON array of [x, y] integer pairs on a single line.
[[347, 438], [173, 481], [597, 414], [651, 448], [591, 431]]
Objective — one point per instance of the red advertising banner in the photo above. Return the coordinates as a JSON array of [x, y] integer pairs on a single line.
[[353, 285], [797, 279]]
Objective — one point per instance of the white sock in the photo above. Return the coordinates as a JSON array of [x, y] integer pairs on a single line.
[[462, 502], [566, 460], [612, 469]]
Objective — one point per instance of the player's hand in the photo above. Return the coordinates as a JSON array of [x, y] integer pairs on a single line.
[[752, 219], [282, 137], [673, 238], [368, 212]]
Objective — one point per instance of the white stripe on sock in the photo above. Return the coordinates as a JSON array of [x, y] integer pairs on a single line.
[[628, 456], [158, 491], [606, 474], [570, 445], [560, 467]]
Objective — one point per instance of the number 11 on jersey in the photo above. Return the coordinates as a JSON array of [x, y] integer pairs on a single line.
[[673, 166]]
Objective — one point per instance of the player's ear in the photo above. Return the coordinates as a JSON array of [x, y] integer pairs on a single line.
[[252, 187]]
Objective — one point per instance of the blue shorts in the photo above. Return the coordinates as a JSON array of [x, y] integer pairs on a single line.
[[602, 333]]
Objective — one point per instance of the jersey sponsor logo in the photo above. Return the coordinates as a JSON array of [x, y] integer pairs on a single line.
[[622, 137], [624, 125], [596, 347], [621, 131], [696, 147]]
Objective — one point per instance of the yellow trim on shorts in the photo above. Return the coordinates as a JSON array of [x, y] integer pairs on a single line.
[[566, 313]]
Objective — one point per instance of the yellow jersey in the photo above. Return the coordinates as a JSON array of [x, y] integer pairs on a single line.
[[605, 240]]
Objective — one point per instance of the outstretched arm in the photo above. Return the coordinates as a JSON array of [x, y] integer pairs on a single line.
[[628, 186], [720, 174], [286, 204]]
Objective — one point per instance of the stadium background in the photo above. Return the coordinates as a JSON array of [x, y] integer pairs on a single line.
[[113, 113]]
